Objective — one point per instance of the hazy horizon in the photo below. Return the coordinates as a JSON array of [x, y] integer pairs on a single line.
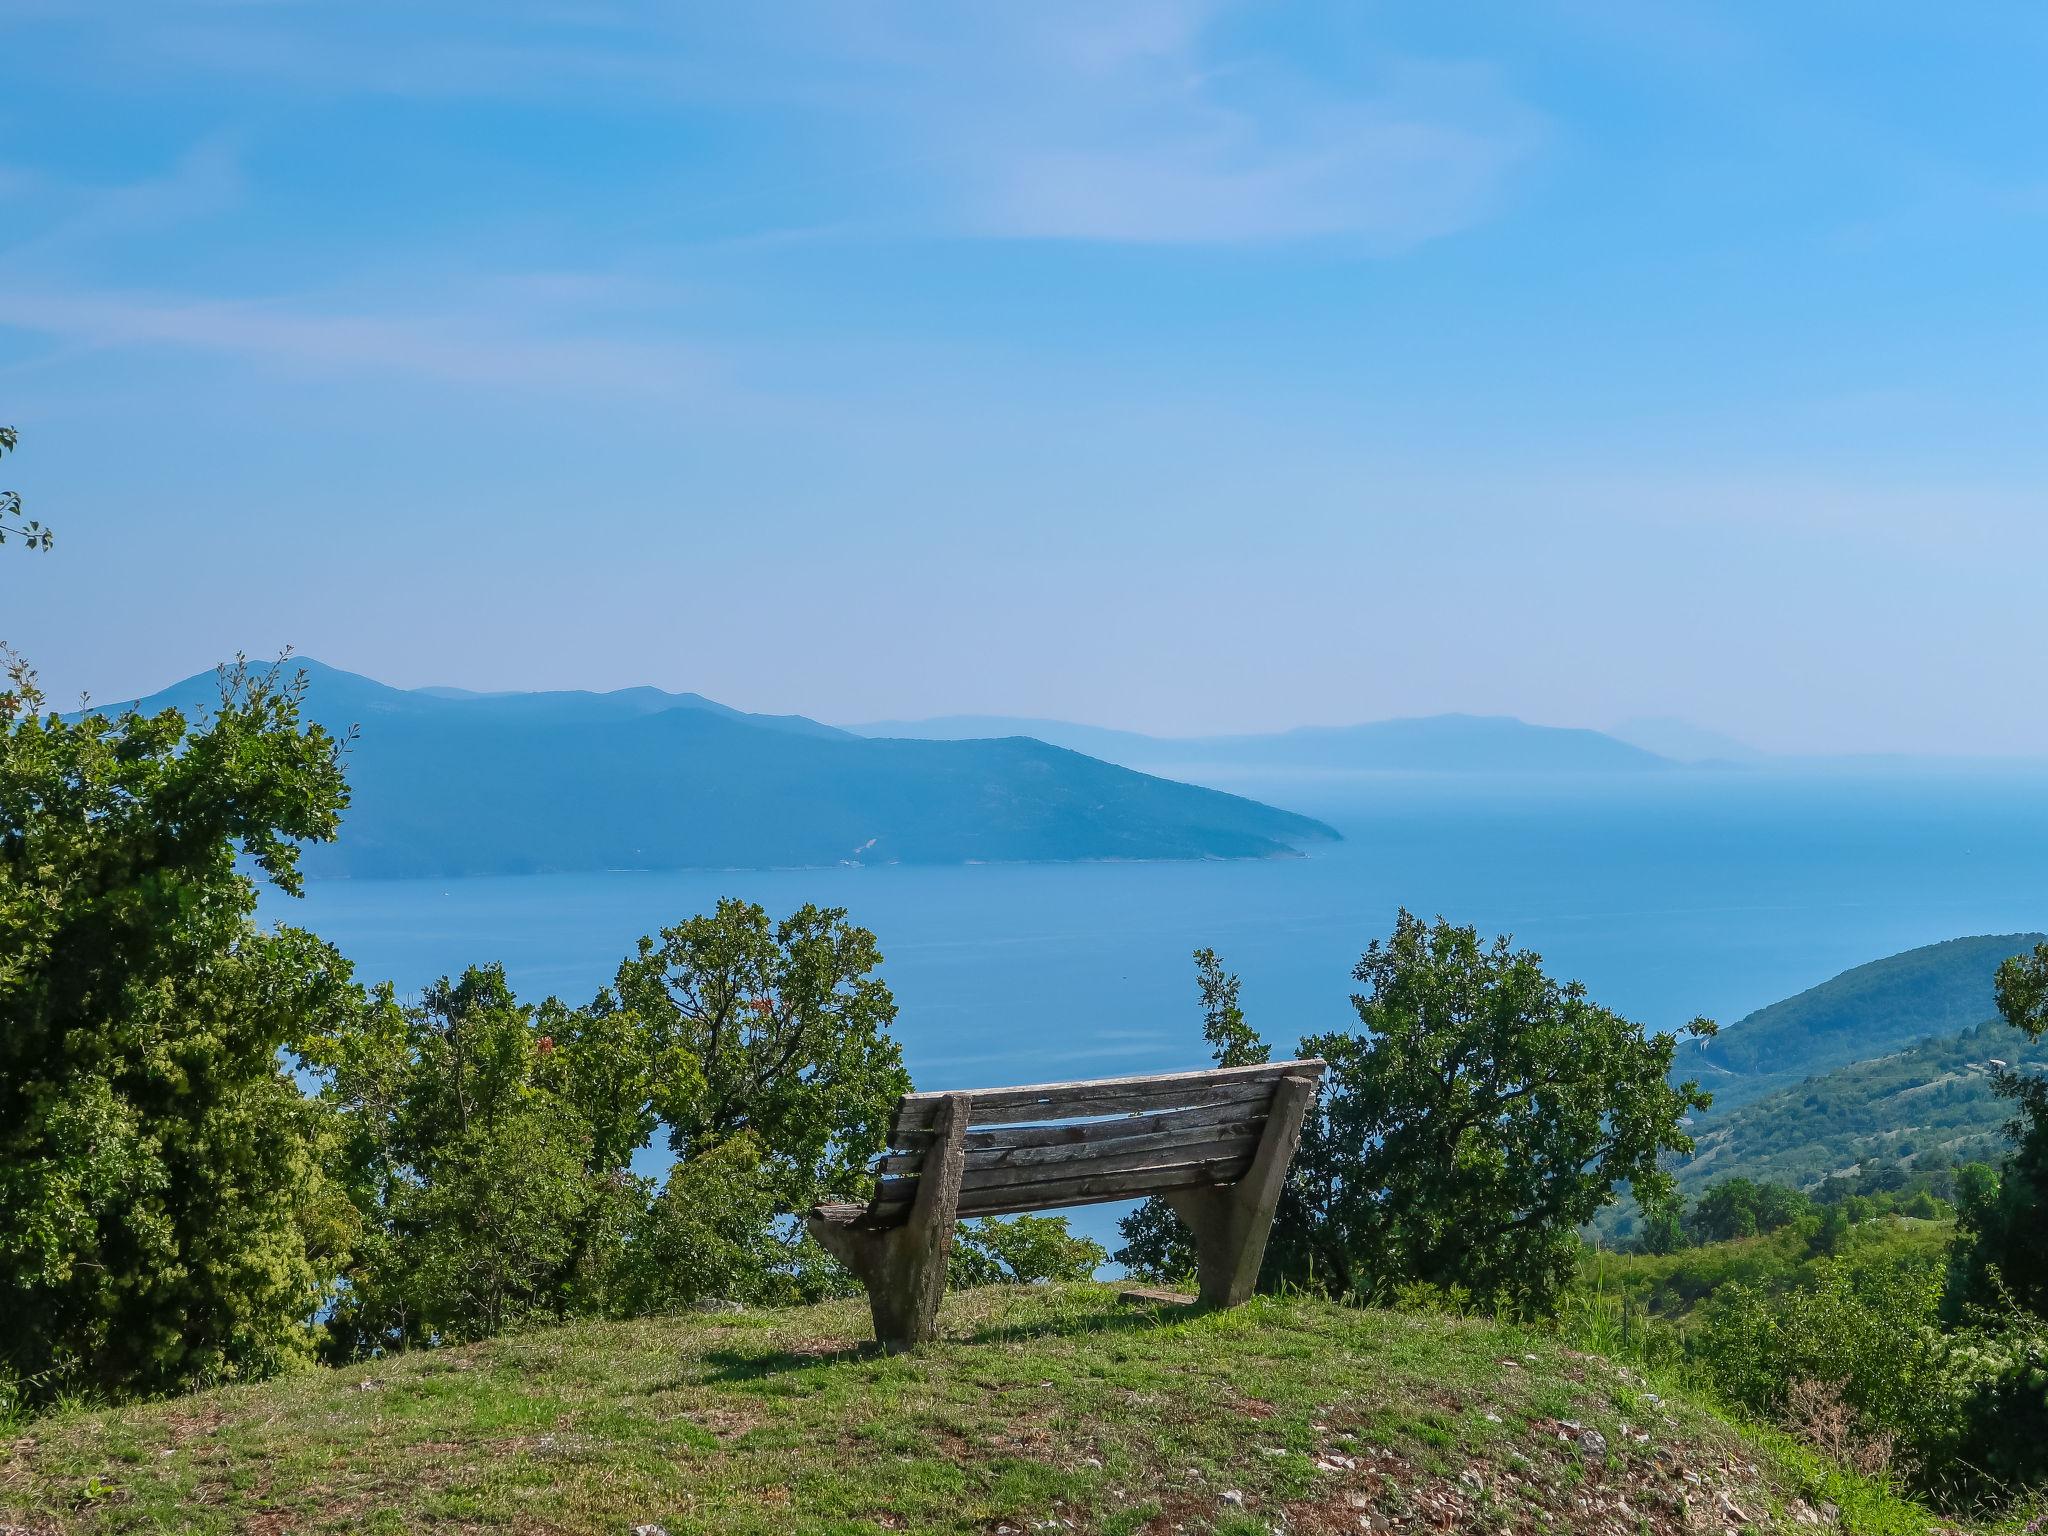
[[1192, 368]]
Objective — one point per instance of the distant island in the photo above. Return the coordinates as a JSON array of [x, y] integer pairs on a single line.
[[446, 782], [1427, 744]]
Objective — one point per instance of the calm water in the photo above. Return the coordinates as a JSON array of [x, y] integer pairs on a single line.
[[1668, 895]]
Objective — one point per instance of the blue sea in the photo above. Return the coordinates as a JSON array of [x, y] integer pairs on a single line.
[[1668, 894]]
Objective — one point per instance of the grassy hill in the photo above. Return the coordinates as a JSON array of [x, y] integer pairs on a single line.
[[1932, 1097], [1870, 1011], [1043, 1409], [445, 783]]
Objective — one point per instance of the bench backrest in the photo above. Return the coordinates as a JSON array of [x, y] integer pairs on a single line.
[[1056, 1144]]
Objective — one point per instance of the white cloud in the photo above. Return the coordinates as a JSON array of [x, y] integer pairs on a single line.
[[473, 348]]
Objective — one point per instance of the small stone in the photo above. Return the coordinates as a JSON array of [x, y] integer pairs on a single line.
[[1593, 1443], [1231, 1497], [649, 1530]]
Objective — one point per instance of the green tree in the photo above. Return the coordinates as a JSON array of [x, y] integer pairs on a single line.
[[1020, 1250], [486, 1152], [779, 1029], [163, 1219], [2001, 1254], [1482, 1114], [489, 1144], [28, 530]]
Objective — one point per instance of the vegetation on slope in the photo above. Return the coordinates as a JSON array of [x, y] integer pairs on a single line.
[[1868, 1011], [1935, 1102], [1044, 1408]]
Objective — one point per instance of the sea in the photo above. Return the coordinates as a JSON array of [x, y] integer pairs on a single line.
[[1669, 895]]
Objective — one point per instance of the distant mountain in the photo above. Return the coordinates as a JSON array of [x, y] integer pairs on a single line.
[[1930, 1099], [452, 783], [1433, 743], [1871, 1011], [1684, 742]]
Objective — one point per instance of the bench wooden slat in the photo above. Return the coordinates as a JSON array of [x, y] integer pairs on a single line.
[[1009, 1144], [1132, 1163], [1090, 1189], [1062, 1101]]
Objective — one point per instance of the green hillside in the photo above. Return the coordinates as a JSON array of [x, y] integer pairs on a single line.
[[1934, 1097], [1870, 1011], [1043, 1409]]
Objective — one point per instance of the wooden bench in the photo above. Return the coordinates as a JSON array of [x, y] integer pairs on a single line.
[[1215, 1144]]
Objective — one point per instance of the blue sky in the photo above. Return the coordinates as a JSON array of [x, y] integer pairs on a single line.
[[1182, 366]]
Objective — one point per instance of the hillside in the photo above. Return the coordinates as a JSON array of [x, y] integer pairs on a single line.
[[1933, 1097], [1431, 744], [1043, 1409], [1872, 1010], [445, 783]]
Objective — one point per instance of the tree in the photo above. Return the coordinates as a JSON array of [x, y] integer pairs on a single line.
[[29, 531], [779, 1029], [1483, 1114], [163, 1219], [486, 1154], [489, 1144], [1020, 1250], [1744, 1208], [2001, 1249]]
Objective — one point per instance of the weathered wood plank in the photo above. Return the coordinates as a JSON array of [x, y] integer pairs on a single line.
[[1129, 1101], [1021, 1143], [1059, 1101], [1089, 1190], [1133, 1164], [1095, 1189]]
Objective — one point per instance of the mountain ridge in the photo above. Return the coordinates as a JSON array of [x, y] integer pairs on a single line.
[[641, 779], [1444, 743]]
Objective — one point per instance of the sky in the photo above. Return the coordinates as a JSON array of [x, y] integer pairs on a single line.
[[1174, 365]]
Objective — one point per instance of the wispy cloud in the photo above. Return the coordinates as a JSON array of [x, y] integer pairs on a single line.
[[471, 348], [1102, 120]]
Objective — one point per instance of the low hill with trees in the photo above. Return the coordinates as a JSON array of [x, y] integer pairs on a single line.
[[1869, 1011]]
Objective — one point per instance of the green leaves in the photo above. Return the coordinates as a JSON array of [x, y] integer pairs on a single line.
[[12, 524], [162, 1205], [1483, 1113]]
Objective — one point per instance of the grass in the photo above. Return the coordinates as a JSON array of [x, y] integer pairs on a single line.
[[1043, 1409]]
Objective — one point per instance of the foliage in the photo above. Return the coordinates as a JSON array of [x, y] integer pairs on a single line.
[[489, 1143], [28, 530], [162, 1215], [1483, 1114], [2002, 1234], [1021, 1250], [775, 1028]]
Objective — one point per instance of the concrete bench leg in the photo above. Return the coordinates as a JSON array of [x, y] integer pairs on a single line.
[[904, 1268], [1231, 1223]]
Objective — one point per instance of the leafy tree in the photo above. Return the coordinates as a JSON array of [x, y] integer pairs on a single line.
[[162, 1215], [1481, 1116], [489, 1144], [29, 531], [775, 1028], [1020, 1250], [486, 1151], [2001, 1256], [1743, 1208]]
